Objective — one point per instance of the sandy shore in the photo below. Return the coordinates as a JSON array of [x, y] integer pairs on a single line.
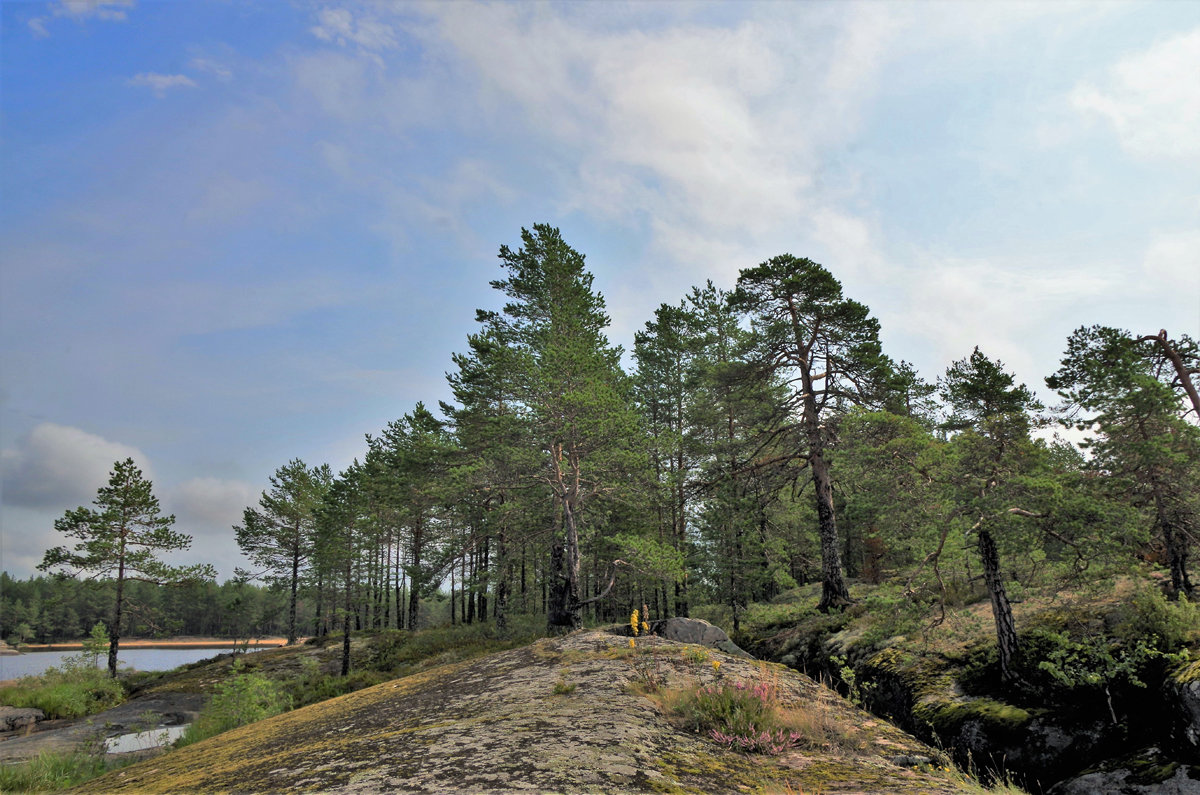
[[164, 643]]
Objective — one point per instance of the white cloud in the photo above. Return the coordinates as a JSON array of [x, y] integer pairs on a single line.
[[1152, 99], [81, 10], [211, 501], [214, 68], [57, 466], [712, 133], [227, 198], [1003, 307], [850, 240], [1173, 259], [160, 83], [338, 25]]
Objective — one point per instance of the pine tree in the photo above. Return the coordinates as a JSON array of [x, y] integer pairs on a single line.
[[278, 535], [994, 468], [1134, 397], [120, 539], [571, 384], [827, 347]]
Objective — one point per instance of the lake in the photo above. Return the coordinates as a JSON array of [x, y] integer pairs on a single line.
[[34, 662]]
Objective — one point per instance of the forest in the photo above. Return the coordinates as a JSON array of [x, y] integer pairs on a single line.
[[762, 439]]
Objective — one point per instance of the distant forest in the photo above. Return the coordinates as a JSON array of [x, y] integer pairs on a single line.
[[763, 439]]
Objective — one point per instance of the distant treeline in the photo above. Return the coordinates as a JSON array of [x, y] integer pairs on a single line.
[[50, 609]]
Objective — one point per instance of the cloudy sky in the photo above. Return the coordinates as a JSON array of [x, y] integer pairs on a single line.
[[236, 233]]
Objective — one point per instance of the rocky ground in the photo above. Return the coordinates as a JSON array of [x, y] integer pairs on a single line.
[[560, 715], [88, 734]]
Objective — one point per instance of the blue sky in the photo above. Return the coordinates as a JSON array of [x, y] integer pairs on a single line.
[[236, 233]]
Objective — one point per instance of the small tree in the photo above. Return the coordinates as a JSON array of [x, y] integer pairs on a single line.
[[278, 536], [827, 348], [120, 539]]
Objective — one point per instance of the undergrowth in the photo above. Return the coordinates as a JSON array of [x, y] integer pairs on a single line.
[[55, 771], [72, 690], [244, 698]]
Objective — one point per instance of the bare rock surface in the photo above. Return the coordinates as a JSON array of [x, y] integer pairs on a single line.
[[699, 631], [17, 718], [88, 734], [497, 724]]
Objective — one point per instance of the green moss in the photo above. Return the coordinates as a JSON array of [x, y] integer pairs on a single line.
[[1150, 771], [718, 771], [1188, 672], [946, 717]]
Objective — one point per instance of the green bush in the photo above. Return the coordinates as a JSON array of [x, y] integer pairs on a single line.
[[1148, 613], [48, 772], [735, 709], [314, 687], [245, 698], [74, 689]]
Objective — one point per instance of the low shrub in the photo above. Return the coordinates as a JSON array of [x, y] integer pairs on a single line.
[[72, 690], [748, 717], [245, 698], [48, 772]]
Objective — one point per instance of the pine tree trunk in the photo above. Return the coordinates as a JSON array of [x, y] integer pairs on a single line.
[[347, 607], [114, 633], [1176, 547], [834, 593], [481, 578], [414, 590], [295, 585], [319, 612], [1006, 631], [559, 618], [502, 566]]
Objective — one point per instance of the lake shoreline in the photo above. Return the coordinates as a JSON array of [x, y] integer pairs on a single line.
[[164, 643]]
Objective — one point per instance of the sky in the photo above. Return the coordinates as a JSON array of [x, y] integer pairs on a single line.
[[237, 233]]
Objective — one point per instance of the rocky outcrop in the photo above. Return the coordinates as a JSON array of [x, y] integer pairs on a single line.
[[17, 718], [1144, 773], [1183, 691], [562, 715], [697, 631], [88, 734]]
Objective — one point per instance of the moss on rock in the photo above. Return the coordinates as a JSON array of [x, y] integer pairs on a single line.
[[491, 724]]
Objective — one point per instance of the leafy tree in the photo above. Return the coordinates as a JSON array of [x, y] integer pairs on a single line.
[[827, 348], [1133, 397], [406, 469], [494, 458], [740, 463], [278, 534], [120, 539], [339, 543], [571, 384], [665, 385], [993, 472]]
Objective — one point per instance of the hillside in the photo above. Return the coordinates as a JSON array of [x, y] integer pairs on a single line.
[[557, 715]]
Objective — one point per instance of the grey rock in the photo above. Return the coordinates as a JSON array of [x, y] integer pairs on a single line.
[[1104, 782], [699, 631], [1187, 697], [13, 718]]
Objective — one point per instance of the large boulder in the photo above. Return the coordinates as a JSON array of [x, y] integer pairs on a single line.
[[1147, 771], [698, 631], [1183, 695], [14, 718]]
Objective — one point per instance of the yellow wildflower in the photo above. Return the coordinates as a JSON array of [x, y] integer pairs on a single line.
[[645, 627], [633, 621], [632, 643], [716, 666]]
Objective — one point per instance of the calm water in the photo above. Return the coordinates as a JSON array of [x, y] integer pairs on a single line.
[[14, 665]]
